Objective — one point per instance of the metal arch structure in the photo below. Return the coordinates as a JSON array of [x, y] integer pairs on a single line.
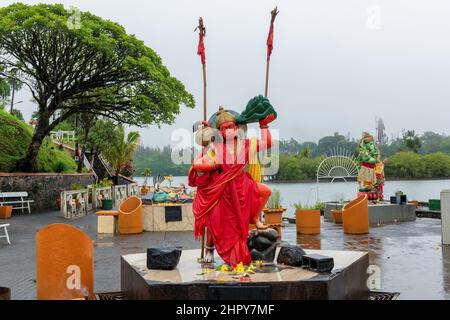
[[338, 164]]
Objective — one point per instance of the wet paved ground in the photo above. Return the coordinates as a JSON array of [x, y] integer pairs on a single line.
[[409, 255]]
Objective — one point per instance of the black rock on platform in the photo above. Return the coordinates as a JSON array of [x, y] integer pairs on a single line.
[[318, 263], [291, 256], [263, 244], [163, 258]]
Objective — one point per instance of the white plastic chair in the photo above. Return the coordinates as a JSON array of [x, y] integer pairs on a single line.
[[4, 226]]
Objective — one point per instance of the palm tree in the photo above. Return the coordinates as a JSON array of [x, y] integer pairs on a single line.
[[412, 140], [305, 153], [121, 149]]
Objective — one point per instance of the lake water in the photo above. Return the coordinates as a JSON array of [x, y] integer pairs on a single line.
[[308, 193]]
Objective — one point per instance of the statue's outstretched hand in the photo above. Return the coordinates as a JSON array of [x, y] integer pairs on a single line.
[[264, 122]]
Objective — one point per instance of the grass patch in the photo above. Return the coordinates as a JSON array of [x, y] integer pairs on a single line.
[[15, 137]]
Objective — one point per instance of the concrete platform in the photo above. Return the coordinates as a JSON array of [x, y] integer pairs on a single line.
[[161, 218], [190, 281], [404, 252], [380, 214]]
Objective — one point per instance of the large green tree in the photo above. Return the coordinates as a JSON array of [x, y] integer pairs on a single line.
[[91, 67]]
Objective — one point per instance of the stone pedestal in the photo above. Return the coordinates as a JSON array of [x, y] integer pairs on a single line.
[[189, 281], [178, 217], [379, 213], [445, 216], [107, 224]]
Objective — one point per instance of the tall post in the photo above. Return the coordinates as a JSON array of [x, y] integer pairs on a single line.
[[266, 91], [205, 115], [201, 52]]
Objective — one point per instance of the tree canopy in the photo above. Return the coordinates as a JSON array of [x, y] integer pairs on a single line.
[[92, 67]]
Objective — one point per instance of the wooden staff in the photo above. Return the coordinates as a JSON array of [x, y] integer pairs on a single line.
[[201, 52], [273, 14], [204, 92], [267, 78]]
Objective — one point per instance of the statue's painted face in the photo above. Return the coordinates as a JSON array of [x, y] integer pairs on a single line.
[[229, 130]]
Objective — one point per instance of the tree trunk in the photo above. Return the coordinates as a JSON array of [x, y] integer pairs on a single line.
[[81, 160], [12, 98], [29, 162], [83, 150]]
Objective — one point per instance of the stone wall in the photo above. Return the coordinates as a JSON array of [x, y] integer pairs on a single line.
[[43, 188]]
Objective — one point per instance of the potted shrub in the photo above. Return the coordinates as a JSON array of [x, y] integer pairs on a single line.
[[274, 211], [337, 216], [5, 212], [146, 173], [307, 218]]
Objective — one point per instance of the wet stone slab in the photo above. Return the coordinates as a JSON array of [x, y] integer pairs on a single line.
[[192, 280], [409, 255], [379, 214]]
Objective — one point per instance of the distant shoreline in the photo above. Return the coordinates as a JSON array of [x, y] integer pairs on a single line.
[[340, 180]]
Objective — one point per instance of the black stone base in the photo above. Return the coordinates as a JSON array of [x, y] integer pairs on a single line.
[[347, 283]]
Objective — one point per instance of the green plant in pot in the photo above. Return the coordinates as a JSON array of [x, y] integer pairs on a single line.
[[274, 210], [307, 217], [146, 173]]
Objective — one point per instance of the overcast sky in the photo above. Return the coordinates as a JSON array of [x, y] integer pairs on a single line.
[[336, 64]]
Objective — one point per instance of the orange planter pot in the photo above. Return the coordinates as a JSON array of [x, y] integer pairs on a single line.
[[273, 216], [337, 216], [355, 216], [145, 190], [308, 221], [5, 212], [130, 216], [415, 203]]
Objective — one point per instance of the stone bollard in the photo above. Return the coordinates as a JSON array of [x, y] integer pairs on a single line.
[[5, 293], [445, 216]]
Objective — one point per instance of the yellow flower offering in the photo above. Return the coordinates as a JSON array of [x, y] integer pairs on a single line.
[[239, 268], [259, 263], [207, 270], [224, 268], [250, 269]]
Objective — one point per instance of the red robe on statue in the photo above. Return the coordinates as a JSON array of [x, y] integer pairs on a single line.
[[226, 202]]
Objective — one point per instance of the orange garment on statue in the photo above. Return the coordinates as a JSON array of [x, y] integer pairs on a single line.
[[226, 202]]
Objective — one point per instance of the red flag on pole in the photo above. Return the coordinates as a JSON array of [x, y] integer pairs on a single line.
[[273, 14], [201, 48], [270, 41]]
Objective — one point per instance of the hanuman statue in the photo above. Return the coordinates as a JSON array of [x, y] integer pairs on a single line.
[[229, 194]]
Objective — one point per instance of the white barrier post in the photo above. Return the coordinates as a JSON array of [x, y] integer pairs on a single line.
[[445, 216]]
